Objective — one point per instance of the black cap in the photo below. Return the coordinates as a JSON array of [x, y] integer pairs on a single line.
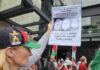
[[9, 37], [15, 36]]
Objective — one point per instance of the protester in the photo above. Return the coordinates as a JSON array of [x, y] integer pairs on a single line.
[[82, 65], [60, 63], [62, 60], [68, 62], [52, 64], [63, 67], [16, 47]]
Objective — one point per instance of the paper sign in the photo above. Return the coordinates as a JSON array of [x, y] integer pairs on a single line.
[[67, 26]]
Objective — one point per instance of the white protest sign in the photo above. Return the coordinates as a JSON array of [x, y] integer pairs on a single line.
[[67, 26]]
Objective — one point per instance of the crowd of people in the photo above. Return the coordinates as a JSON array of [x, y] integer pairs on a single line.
[[61, 64]]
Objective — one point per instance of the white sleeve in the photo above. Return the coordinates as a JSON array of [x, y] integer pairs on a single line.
[[36, 53]]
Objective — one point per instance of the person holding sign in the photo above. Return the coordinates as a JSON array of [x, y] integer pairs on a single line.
[[16, 47]]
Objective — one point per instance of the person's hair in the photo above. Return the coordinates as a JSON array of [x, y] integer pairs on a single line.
[[83, 59], [2, 59]]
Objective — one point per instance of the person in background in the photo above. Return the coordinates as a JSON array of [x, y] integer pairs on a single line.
[[16, 47], [63, 67], [68, 62], [52, 64], [62, 60], [82, 65], [60, 63]]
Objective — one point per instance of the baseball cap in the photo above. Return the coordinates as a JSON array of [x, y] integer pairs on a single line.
[[16, 36]]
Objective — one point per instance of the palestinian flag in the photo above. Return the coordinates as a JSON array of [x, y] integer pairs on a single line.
[[95, 64], [74, 50], [54, 51]]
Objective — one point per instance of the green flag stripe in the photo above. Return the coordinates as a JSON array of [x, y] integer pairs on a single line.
[[95, 65], [53, 53]]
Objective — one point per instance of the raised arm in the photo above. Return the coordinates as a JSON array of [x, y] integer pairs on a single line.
[[36, 53]]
